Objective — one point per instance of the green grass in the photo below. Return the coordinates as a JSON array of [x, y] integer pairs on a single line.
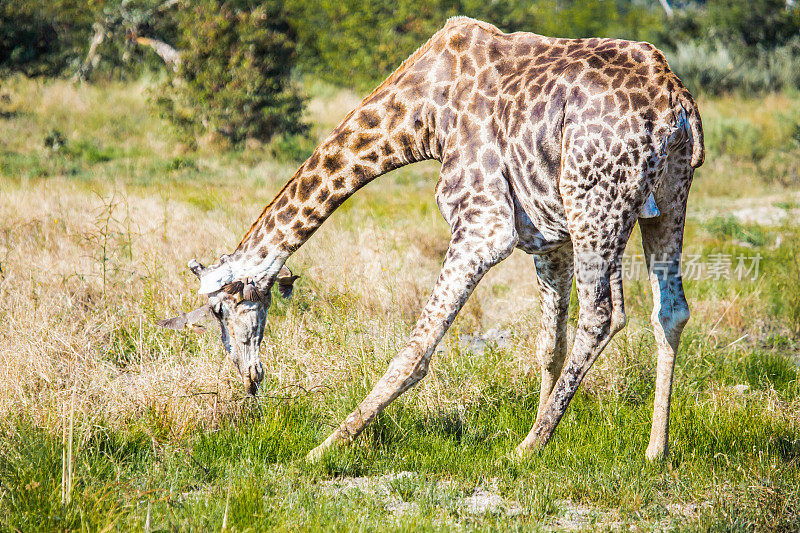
[[722, 452], [100, 207]]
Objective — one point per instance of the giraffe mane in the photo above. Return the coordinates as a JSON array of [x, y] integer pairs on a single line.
[[392, 77], [424, 47]]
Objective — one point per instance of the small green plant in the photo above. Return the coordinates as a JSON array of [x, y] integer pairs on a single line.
[[55, 140], [730, 228], [404, 485], [89, 152], [181, 163]]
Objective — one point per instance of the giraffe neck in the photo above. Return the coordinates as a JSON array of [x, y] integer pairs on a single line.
[[386, 131]]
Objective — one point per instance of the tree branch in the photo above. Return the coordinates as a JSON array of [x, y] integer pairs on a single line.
[[667, 7], [170, 56], [91, 56]]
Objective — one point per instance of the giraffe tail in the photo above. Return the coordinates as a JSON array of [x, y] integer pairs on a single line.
[[689, 107]]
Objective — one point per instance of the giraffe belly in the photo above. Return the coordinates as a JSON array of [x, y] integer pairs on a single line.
[[531, 238]]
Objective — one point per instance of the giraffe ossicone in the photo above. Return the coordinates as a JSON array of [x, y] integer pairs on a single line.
[[553, 146], [213, 279]]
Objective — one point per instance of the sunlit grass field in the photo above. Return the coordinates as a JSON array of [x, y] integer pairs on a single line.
[[107, 422]]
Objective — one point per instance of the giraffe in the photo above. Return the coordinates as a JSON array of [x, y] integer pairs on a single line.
[[553, 146]]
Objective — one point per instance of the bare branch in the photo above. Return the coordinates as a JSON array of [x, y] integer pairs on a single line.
[[667, 7], [91, 56], [170, 55]]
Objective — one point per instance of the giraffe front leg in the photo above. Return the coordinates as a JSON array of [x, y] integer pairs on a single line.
[[464, 266], [554, 273]]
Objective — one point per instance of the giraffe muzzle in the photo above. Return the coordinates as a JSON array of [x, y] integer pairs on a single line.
[[256, 372], [252, 376]]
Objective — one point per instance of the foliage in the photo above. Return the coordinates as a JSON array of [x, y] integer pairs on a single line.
[[53, 38], [718, 46], [122, 22], [42, 38], [755, 23], [714, 67], [359, 42], [735, 45], [234, 74]]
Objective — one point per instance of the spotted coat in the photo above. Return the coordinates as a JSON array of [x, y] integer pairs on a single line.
[[553, 146]]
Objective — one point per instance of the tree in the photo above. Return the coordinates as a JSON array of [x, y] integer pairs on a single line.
[[234, 72], [41, 38]]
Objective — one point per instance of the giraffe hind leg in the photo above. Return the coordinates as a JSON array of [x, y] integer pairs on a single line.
[[662, 240], [554, 274], [601, 316], [597, 254]]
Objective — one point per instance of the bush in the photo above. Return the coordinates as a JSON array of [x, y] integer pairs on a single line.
[[42, 38], [234, 75], [359, 42], [717, 68]]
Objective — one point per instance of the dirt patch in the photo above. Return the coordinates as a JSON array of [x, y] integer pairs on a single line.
[[399, 493], [764, 211], [406, 492]]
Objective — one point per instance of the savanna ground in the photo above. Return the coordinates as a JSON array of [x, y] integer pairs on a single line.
[[111, 423]]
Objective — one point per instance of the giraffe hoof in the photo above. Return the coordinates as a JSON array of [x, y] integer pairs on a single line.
[[526, 449], [315, 455], [654, 454]]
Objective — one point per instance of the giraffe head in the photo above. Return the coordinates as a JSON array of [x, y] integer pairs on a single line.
[[240, 308]]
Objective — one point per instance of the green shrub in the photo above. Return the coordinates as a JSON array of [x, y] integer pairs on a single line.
[[42, 38], [234, 75], [730, 228], [736, 137]]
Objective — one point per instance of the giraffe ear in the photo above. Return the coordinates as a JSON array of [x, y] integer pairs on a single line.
[[286, 281], [196, 268], [183, 320]]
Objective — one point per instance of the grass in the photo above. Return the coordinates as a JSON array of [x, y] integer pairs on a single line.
[[98, 220]]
